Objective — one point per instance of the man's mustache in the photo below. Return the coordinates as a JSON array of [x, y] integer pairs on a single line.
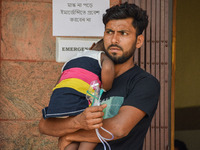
[[114, 45]]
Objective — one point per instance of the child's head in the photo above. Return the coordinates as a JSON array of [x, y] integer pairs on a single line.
[[98, 46]]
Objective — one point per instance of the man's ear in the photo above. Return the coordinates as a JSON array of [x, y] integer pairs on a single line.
[[140, 40]]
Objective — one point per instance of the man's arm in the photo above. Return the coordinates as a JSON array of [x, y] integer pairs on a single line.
[[91, 118], [120, 126]]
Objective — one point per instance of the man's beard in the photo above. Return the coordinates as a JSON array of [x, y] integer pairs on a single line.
[[120, 60]]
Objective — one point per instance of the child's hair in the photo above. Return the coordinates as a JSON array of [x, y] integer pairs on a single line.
[[98, 46]]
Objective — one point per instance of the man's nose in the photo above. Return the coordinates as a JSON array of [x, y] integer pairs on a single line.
[[115, 38]]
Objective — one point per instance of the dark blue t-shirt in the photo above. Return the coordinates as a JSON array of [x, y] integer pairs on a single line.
[[135, 88]]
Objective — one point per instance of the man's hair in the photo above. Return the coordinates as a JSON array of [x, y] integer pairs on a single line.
[[125, 10]]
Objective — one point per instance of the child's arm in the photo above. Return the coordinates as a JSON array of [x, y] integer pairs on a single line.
[[107, 72]]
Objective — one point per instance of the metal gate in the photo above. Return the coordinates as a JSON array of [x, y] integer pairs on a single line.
[[153, 57]]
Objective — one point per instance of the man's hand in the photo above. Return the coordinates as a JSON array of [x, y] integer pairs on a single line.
[[119, 125], [62, 143], [91, 118]]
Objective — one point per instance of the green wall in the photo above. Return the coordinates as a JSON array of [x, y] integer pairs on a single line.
[[187, 80]]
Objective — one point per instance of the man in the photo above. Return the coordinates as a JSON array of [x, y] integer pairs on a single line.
[[136, 91]]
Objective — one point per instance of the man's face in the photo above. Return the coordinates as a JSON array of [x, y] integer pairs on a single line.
[[120, 40]]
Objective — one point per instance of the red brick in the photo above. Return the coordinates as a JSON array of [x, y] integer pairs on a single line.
[[27, 31], [41, 1], [26, 88], [24, 135], [114, 2]]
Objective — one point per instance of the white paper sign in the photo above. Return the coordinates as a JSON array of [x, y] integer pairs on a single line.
[[79, 17], [66, 48]]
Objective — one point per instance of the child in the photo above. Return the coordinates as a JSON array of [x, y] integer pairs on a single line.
[[69, 95]]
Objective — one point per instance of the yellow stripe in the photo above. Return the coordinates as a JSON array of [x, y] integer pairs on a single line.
[[77, 84]]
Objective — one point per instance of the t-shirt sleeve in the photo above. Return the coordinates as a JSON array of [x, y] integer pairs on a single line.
[[144, 95]]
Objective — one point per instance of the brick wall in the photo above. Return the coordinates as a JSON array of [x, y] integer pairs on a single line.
[[28, 72]]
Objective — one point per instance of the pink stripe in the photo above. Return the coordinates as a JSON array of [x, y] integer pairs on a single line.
[[79, 73]]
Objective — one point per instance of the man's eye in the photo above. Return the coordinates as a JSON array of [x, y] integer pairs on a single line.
[[124, 33], [109, 32]]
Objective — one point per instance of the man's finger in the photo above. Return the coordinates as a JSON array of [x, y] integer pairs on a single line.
[[95, 121], [103, 106], [95, 109]]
